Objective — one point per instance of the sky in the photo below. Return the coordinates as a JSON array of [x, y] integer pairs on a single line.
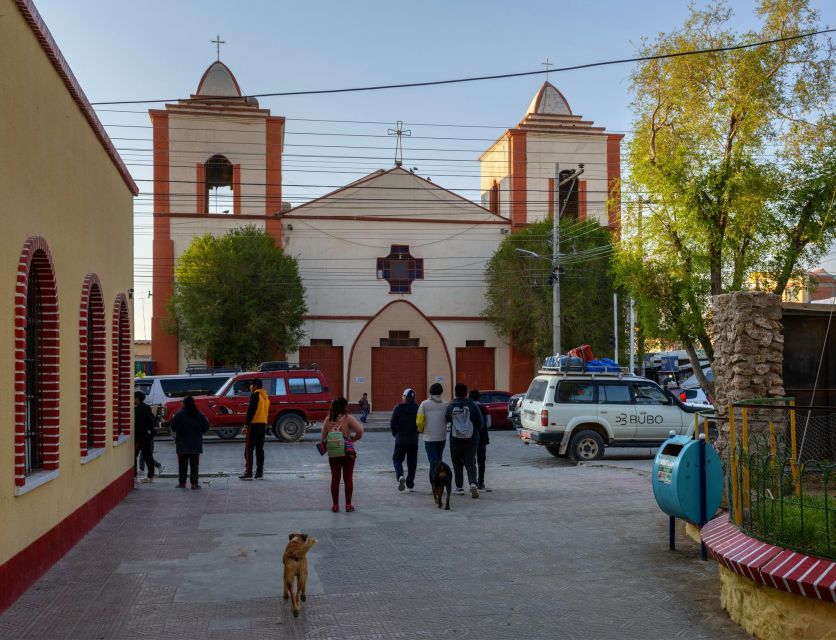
[[158, 49]]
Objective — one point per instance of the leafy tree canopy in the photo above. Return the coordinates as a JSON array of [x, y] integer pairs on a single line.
[[732, 159], [238, 298], [520, 294]]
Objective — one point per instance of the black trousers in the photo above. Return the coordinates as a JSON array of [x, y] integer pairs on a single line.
[[255, 442], [408, 450], [481, 452], [146, 450], [463, 454], [188, 462]]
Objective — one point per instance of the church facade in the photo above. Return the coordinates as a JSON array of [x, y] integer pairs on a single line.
[[393, 264]]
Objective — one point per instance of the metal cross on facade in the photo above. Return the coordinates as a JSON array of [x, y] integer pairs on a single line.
[[548, 63], [400, 133], [218, 42]]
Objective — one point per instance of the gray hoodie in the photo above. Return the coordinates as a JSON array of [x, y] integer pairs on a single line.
[[435, 424]]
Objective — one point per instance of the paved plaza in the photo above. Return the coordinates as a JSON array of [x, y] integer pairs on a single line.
[[555, 551]]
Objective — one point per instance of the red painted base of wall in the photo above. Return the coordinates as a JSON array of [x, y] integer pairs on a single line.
[[22, 570]]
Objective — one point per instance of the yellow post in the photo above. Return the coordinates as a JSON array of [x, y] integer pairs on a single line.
[[696, 427], [744, 445], [738, 511], [705, 427], [794, 449]]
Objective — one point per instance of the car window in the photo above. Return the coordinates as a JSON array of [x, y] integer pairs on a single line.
[[614, 393], [195, 386], [575, 391], [487, 398], [239, 388], [649, 393], [281, 388], [500, 397], [144, 386], [296, 385], [537, 390], [313, 385]]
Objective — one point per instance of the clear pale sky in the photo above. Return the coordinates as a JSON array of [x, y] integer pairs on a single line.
[[159, 49]]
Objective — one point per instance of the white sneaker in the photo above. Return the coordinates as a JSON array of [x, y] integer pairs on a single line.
[[459, 490], [401, 483], [474, 491]]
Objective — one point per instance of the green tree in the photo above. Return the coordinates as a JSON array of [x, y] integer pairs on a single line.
[[238, 298], [733, 154], [520, 294]]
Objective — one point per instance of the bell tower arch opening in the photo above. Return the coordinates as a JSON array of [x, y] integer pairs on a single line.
[[218, 194]]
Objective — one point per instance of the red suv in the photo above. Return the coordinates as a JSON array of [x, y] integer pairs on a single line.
[[298, 397]]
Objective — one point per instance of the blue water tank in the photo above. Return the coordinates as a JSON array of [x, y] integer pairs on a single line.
[[676, 479]]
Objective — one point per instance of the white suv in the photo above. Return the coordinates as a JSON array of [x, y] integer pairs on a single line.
[[580, 414]]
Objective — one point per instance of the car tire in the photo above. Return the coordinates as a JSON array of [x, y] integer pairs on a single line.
[[586, 446], [554, 450], [289, 427], [227, 433]]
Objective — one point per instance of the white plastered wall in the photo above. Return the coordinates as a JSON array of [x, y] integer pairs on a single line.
[[545, 149]]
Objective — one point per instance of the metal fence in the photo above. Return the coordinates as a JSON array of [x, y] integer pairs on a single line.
[[782, 472]]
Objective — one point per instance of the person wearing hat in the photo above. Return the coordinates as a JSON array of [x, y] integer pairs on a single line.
[[405, 431]]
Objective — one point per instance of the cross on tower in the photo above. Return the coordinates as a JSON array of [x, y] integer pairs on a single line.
[[218, 42], [400, 133], [547, 64]]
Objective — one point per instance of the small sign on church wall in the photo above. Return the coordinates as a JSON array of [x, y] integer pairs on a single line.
[[359, 380]]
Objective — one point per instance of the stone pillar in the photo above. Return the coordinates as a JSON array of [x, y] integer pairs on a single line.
[[748, 355]]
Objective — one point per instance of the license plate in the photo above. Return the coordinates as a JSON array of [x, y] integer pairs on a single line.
[[525, 435]]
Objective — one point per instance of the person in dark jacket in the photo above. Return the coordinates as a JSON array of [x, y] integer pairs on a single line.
[[145, 425], [484, 441], [463, 447], [405, 430], [188, 427]]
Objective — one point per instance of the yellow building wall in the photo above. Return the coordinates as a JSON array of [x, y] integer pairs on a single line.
[[57, 181]]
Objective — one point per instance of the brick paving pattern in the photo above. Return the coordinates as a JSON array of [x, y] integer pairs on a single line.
[[555, 551]]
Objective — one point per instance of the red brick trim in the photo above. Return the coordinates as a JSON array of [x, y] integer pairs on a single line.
[[41, 32], [766, 564], [582, 200], [200, 193], [22, 570], [92, 372], [121, 367], [519, 165], [236, 189], [36, 255]]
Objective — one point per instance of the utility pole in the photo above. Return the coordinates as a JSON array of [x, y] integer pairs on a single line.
[[632, 336], [615, 324], [571, 180]]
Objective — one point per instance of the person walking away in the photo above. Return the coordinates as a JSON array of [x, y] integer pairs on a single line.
[[432, 423], [256, 426], [144, 429], [465, 421], [188, 426], [365, 408], [484, 441], [350, 430], [405, 430]]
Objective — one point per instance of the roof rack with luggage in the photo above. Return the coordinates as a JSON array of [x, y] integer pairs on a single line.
[[284, 365]]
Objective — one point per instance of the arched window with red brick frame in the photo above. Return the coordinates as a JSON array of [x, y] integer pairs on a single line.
[[121, 368], [93, 349], [37, 350]]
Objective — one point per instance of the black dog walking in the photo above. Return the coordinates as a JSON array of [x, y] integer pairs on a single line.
[[441, 477]]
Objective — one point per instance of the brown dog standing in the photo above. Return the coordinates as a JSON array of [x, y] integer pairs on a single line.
[[296, 566]]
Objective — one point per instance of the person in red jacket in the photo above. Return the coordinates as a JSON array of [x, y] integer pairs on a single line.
[[256, 426]]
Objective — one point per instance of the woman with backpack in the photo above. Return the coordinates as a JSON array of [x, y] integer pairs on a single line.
[[339, 433], [188, 426]]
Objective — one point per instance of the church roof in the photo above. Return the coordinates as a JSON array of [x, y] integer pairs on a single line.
[[395, 195], [218, 81], [548, 100]]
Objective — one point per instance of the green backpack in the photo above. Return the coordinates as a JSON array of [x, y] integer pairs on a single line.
[[335, 444]]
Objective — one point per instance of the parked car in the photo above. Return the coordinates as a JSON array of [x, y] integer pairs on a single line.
[[298, 397], [496, 403], [580, 414], [514, 404], [160, 389], [696, 397]]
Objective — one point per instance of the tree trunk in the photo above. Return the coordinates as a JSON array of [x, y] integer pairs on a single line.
[[707, 386]]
